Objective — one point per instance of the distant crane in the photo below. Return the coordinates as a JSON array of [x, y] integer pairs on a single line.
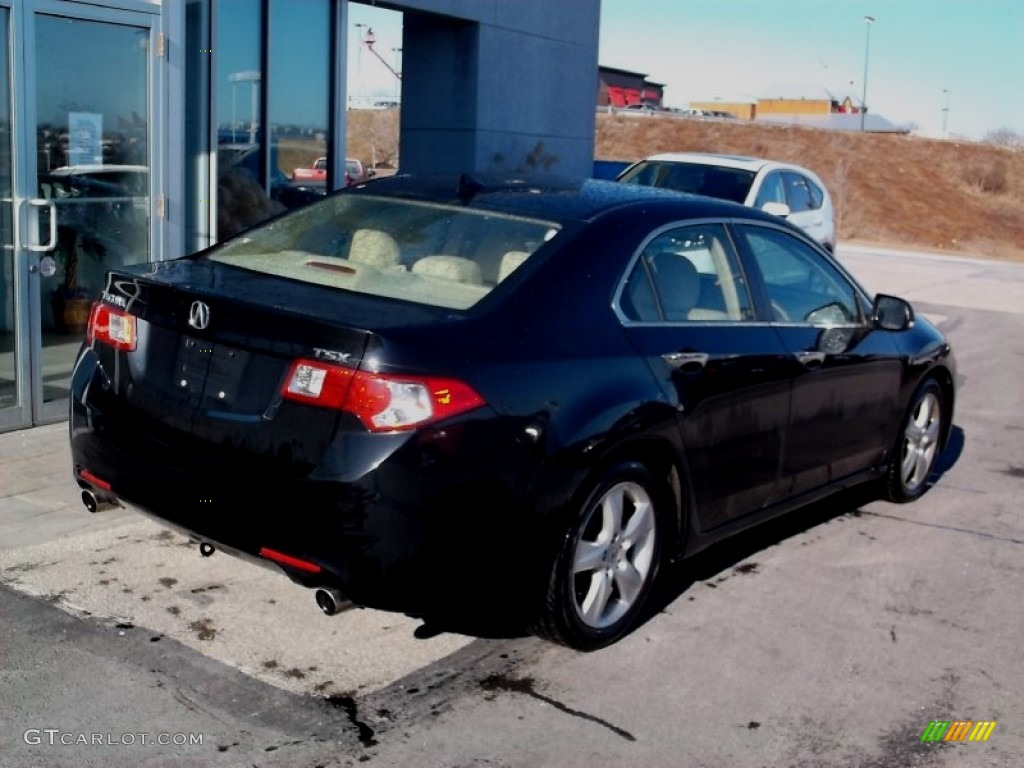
[[369, 41]]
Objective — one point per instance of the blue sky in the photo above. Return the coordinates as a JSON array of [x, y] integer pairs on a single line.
[[924, 54]]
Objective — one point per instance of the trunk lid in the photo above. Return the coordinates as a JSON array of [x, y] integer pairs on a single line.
[[215, 345]]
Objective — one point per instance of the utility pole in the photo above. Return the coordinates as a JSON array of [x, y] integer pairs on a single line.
[[868, 20]]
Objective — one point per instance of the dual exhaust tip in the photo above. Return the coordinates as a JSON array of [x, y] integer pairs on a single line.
[[95, 502], [331, 601]]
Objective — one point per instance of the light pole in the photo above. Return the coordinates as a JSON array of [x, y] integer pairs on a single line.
[[359, 64], [868, 20], [945, 114]]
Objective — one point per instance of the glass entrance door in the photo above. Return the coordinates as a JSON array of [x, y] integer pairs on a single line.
[[84, 191]]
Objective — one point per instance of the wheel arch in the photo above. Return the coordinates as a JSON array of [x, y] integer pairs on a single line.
[[661, 459], [943, 376]]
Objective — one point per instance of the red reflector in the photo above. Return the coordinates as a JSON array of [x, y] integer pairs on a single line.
[[111, 326], [382, 402], [89, 477], [292, 562]]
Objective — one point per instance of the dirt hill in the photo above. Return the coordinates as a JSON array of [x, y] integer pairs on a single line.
[[945, 195], [962, 197]]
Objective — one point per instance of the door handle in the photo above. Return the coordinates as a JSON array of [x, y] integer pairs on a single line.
[[43, 247], [811, 359], [687, 362]]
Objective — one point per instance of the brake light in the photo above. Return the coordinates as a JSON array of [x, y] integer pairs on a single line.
[[382, 402], [111, 326]]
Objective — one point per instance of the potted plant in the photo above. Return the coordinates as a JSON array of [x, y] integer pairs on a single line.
[[70, 301]]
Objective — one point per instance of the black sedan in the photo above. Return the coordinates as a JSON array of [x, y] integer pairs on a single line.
[[465, 394]]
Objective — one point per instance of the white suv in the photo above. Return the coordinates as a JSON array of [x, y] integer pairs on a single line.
[[790, 191]]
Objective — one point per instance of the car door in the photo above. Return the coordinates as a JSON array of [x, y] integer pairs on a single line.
[[846, 372], [686, 307]]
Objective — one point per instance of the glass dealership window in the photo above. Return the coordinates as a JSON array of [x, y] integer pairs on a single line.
[[299, 96], [238, 52], [262, 170]]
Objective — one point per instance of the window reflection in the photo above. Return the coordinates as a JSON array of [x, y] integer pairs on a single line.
[[253, 184], [299, 97], [92, 158], [241, 197]]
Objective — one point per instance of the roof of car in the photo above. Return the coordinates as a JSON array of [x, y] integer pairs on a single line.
[[754, 164], [543, 198]]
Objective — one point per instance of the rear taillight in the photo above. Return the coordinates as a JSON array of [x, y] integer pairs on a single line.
[[111, 326], [383, 403]]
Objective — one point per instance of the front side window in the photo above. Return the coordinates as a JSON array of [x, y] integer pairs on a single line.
[[772, 191], [798, 193], [428, 253], [689, 274], [802, 286]]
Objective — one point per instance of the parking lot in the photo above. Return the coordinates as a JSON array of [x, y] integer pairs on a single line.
[[831, 637]]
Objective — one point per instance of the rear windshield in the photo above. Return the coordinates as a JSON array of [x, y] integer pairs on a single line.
[[696, 178], [441, 255]]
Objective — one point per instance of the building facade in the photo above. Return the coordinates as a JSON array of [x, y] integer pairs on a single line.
[[623, 88], [140, 130]]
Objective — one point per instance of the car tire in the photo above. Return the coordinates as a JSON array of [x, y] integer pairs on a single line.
[[607, 564], [918, 445]]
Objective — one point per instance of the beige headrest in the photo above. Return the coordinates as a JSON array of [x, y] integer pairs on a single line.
[[453, 268], [375, 248]]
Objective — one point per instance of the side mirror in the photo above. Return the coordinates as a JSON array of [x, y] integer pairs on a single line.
[[891, 313], [776, 209]]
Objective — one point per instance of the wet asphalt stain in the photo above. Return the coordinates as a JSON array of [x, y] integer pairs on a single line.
[[892, 633], [209, 588], [167, 582], [204, 629], [525, 685], [746, 568], [1013, 471], [348, 705], [753, 725]]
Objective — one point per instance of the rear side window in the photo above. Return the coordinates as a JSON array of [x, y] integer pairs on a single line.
[[426, 253], [689, 274]]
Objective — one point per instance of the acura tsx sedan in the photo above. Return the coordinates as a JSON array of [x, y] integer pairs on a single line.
[[460, 392]]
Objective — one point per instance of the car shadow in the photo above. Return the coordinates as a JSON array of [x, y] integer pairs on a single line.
[[719, 561], [709, 567], [951, 455]]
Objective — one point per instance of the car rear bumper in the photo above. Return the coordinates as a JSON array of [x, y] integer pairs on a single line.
[[385, 519]]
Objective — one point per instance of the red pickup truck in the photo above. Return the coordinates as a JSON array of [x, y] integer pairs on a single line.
[[354, 171]]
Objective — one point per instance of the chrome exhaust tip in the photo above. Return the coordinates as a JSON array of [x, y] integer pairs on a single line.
[[95, 503], [331, 601]]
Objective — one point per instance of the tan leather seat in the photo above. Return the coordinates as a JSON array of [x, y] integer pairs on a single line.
[[510, 262], [374, 248]]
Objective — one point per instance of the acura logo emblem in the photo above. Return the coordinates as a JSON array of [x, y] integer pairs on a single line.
[[199, 315]]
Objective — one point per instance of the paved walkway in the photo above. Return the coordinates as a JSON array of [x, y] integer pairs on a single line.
[[39, 499]]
